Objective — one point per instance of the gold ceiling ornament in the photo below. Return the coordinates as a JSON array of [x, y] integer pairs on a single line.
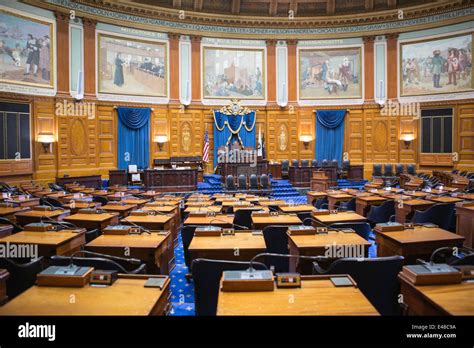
[[235, 108]]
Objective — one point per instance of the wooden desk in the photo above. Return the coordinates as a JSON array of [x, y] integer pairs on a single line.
[[42, 193], [199, 204], [275, 170], [417, 243], [94, 181], [123, 210], [443, 199], [416, 194], [211, 208], [260, 222], [5, 230], [339, 197], [218, 220], [151, 222], [465, 223], [170, 180], [74, 208], [138, 202], [9, 212], [127, 296], [324, 245], [100, 193], [266, 203], [63, 242], [451, 299], [319, 181], [93, 221], [4, 275], [342, 216], [407, 210], [300, 176], [26, 202], [315, 195], [466, 196], [317, 296], [30, 216], [155, 249], [118, 196], [242, 246], [364, 203], [299, 208]]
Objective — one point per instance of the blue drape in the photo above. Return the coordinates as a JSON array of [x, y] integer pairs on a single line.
[[133, 137], [329, 134], [230, 128]]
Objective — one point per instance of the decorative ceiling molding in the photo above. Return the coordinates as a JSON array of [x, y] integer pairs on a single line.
[[148, 17]]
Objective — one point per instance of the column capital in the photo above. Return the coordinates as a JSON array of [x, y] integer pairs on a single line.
[[271, 42], [195, 38], [89, 22], [61, 16], [392, 36], [174, 36], [292, 42], [368, 39]]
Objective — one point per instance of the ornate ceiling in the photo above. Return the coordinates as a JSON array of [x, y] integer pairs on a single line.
[[282, 19], [281, 8]]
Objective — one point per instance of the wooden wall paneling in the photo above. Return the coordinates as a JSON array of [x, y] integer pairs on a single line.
[[106, 139], [408, 124], [282, 139], [186, 132], [306, 126], [44, 121], [381, 139], [159, 126], [464, 136], [354, 136]]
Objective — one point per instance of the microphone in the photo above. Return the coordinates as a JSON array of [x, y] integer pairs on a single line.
[[159, 212], [314, 258], [231, 223], [140, 227], [52, 206], [110, 258], [55, 222], [317, 221]]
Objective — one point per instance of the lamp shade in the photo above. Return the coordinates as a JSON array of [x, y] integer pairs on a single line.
[[407, 136], [45, 138], [306, 138], [160, 139]]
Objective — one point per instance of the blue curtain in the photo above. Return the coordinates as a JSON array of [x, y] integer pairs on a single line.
[[230, 128], [133, 137], [329, 134]]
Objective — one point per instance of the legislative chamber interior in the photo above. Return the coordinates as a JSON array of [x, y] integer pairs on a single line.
[[216, 158]]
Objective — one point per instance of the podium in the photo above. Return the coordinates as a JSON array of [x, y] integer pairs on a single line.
[[319, 181]]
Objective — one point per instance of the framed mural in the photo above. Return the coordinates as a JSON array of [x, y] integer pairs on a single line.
[[132, 67], [26, 50], [434, 66], [330, 73], [233, 73]]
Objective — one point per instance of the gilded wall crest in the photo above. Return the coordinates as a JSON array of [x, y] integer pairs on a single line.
[[282, 137], [186, 137]]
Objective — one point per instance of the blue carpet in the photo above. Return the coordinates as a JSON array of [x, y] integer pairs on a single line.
[[182, 291]]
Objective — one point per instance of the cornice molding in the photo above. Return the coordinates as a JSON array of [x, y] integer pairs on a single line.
[[126, 13]]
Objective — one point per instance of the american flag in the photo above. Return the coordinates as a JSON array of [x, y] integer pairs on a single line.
[[205, 150]]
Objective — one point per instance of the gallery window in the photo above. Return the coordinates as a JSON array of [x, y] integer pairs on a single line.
[[15, 131], [437, 130]]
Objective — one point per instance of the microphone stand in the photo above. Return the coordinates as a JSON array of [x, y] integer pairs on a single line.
[[141, 228], [314, 258]]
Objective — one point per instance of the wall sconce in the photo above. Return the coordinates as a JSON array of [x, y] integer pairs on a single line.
[[160, 139], [46, 140], [407, 138], [306, 139]]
